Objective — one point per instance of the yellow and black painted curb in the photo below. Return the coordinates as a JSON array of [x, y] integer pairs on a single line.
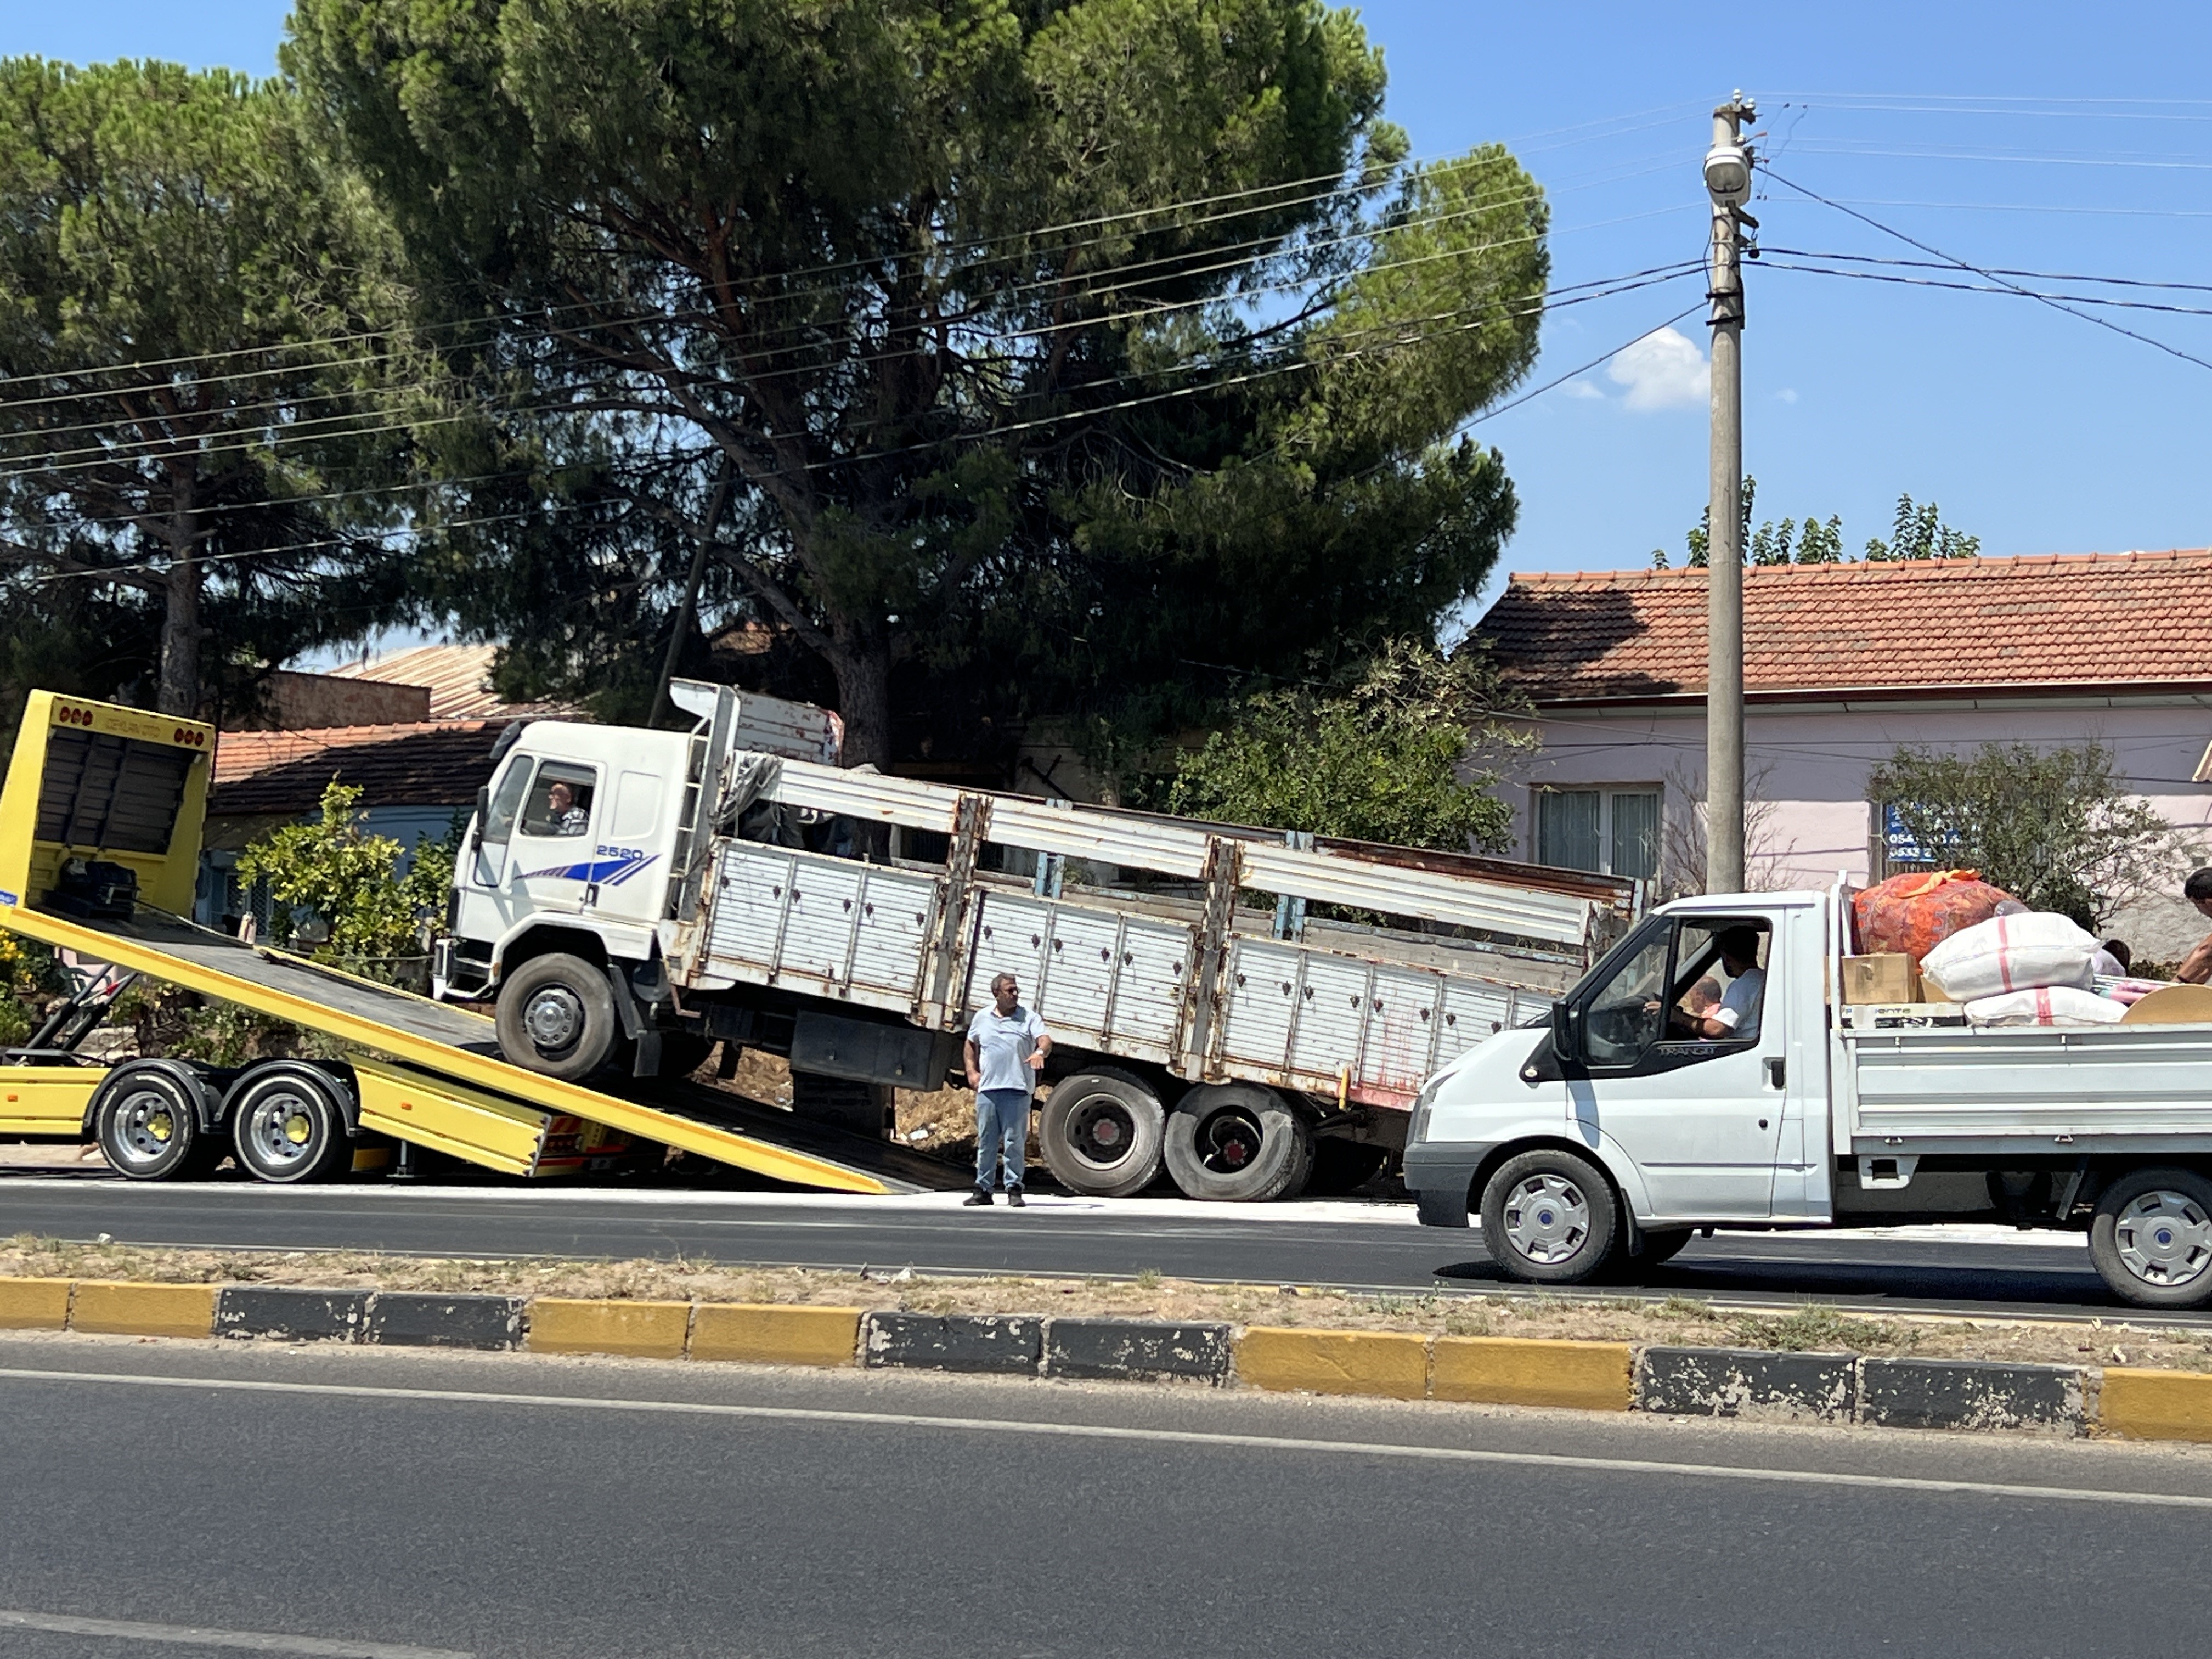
[[1613, 1377]]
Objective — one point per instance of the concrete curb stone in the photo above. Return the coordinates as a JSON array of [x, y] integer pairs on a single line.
[[999, 1344], [422, 1319], [1971, 1394], [1130, 1350], [291, 1311], [1749, 1383]]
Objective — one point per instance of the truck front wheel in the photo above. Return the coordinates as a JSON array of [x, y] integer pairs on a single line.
[[557, 1015], [1548, 1218], [2151, 1238]]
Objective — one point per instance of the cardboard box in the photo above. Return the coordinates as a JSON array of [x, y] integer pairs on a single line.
[[1889, 977]]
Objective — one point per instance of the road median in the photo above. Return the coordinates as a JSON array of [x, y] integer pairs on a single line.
[[1812, 1364]]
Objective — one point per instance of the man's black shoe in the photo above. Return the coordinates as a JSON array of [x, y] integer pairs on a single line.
[[981, 1195], [1014, 1199]]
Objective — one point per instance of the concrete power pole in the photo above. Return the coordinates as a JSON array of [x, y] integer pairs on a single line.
[[1727, 180]]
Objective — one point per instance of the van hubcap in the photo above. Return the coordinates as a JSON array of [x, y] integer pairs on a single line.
[[2165, 1238], [1547, 1217]]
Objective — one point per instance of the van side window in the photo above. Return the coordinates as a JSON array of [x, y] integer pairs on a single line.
[[1718, 990]]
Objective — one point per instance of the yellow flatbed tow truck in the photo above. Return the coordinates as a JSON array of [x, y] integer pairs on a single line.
[[100, 823]]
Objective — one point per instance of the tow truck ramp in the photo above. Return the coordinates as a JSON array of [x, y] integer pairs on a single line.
[[99, 840]]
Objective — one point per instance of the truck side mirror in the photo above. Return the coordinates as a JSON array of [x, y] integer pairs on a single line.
[[477, 823], [1567, 1038]]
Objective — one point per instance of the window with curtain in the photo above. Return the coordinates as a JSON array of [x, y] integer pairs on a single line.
[[1614, 832]]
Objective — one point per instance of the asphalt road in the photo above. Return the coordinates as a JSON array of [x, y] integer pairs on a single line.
[[1965, 1270], [404, 1506]]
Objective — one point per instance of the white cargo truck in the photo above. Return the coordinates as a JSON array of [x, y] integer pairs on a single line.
[[1598, 1139], [630, 898]]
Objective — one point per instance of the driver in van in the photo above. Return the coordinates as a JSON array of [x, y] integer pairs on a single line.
[[1737, 1014]]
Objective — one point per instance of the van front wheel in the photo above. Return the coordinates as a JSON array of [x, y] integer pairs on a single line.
[[1548, 1218]]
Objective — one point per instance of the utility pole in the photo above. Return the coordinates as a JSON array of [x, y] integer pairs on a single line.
[[1727, 180]]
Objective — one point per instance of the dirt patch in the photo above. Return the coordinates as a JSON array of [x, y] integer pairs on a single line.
[[1677, 1320]]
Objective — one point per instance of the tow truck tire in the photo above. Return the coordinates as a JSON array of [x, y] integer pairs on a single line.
[[1548, 1218], [148, 1125], [1101, 1132], [287, 1125], [1238, 1143], [2151, 1238], [556, 1016]]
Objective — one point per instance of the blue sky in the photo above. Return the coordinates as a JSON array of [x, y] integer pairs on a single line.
[[2023, 136]]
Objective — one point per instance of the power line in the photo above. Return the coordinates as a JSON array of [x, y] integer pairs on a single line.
[[1987, 276], [1982, 288], [315, 428], [1420, 338]]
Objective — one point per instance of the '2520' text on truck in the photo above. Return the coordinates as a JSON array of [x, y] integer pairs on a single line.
[[1601, 1137], [1253, 1011]]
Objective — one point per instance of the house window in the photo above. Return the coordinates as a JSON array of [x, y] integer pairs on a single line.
[[1614, 832]]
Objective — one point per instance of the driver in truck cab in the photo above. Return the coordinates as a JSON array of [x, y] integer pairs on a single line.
[[563, 817], [1736, 1014]]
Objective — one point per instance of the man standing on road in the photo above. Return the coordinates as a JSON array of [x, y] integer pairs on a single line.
[[1007, 1047]]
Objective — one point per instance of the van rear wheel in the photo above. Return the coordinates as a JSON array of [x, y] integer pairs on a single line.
[[2151, 1238], [1548, 1218], [556, 1016]]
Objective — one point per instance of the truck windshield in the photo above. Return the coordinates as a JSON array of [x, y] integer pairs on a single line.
[[498, 826]]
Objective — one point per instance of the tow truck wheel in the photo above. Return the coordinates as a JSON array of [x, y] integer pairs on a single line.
[[287, 1126], [1238, 1143], [148, 1125], [556, 1015], [1101, 1132], [1548, 1219], [2151, 1238]]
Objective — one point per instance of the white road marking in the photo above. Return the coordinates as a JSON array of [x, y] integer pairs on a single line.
[[994, 1426], [199, 1636], [1192, 1213]]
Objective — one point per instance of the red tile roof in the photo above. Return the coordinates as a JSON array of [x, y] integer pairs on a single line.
[[429, 763], [1958, 625]]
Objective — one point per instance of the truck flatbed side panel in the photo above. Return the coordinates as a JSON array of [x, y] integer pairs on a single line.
[[449, 1041], [1098, 978], [2031, 1084], [47, 1100], [831, 927]]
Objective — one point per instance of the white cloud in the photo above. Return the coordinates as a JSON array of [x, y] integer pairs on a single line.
[[1787, 395], [1663, 370], [1582, 389]]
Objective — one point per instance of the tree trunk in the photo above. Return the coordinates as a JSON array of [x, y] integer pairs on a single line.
[[863, 667], [178, 690]]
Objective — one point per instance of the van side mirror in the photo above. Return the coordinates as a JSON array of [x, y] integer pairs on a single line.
[[1566, 1035]]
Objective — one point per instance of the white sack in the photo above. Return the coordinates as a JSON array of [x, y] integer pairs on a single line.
[[2012, 953], [2049, 1005]]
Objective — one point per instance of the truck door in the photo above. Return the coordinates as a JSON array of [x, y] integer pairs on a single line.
[[1683, 1049], [552, 866], [480, 876]]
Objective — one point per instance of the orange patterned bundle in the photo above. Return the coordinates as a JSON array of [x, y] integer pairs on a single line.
[[1916, 912]]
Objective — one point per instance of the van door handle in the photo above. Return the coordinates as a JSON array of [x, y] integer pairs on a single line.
[[1775, 1072]]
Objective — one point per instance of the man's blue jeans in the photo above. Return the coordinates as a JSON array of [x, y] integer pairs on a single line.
[[1002, 1129]]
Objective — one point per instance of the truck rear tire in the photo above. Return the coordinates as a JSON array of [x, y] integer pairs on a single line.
[[1101, 1132], [1548, 1218], [147, 1118], [1238, 1143], [556, 1016], [288, 1125], [2151, 1238]]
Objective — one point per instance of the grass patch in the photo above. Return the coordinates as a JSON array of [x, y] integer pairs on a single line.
[[1818, 1328]]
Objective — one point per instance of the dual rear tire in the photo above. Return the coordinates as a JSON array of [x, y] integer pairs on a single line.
[[286, 1123], [1106, 1134]]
